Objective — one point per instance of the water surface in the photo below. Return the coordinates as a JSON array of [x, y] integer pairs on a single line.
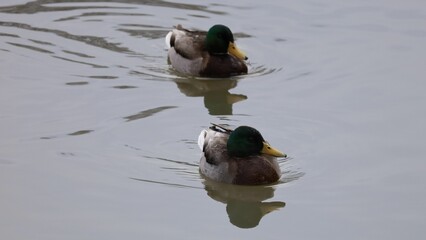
[[98, 133]]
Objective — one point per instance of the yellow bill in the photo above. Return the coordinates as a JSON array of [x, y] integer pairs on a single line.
[[268, 149], [235, 51]]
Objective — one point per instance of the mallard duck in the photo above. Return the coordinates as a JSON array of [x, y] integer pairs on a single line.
[[239, 156], [209, 54]]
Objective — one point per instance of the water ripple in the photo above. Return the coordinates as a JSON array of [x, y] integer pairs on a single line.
[[91, 40], [147, 113]]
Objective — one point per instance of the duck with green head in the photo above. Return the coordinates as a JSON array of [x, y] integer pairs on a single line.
[[239, 156], [208, 54]]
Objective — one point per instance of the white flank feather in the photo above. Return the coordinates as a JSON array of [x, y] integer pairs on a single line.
[[168, 37], [202, 139]]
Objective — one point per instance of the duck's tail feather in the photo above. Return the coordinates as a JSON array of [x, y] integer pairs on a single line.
[[168, 39], [172, 35], [220, 128], [202, 139]]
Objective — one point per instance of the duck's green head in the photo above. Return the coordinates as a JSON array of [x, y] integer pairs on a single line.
[[220, 40], [246, 141]]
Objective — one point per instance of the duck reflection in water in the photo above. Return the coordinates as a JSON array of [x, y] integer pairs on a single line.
[[245, 205], [217, 98]]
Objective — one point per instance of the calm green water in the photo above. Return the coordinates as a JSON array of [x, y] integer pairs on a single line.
[[98, 134]]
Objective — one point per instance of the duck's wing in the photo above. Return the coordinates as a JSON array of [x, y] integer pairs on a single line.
[[188, 44], [213, 142], [213, 134]]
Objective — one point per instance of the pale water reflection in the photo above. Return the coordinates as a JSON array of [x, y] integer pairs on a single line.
[[217, 98], [245, 205]]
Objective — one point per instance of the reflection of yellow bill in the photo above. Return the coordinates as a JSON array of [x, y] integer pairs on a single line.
[[234, 50], [268, 149]]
